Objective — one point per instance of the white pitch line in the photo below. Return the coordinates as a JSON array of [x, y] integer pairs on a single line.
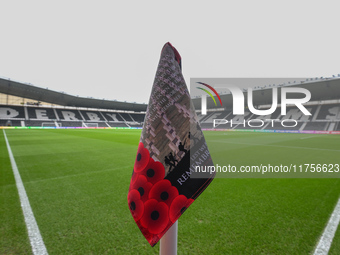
[[307, 137], [37, 243], [326, 239]]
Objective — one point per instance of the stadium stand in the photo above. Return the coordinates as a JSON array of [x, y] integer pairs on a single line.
[[338, 127], [35, 116], [316, 126], [6, 122], [137, 117], [324, 117], [12, 112], [41, 113], [329, 112], [92, 115], [71, 111]]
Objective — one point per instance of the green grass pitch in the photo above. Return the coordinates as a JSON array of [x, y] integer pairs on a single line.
[[77, 183]]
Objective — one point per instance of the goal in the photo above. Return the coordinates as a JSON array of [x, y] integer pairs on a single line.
[[50, 124], [90, 125]]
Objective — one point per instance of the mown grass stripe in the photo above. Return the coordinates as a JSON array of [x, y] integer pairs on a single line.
[[37, 243], [273, 145]]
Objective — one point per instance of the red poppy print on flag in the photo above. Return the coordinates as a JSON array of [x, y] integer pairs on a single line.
[[155, 217], [142, 158], [154, 171], [178, 206], [163, 191], [136, 205], [142, 186]]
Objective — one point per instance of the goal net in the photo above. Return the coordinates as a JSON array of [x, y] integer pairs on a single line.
[[51, 124], [90, 125]]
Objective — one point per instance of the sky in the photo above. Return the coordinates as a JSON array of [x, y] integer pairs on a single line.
[[111, 49]]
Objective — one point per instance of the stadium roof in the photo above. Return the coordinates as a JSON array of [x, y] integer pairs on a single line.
[[19, 89], [321, 89]]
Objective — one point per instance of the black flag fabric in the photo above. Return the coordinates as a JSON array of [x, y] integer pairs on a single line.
[[171, 148]]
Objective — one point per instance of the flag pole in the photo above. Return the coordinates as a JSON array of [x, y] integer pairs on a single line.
[[168, 245]]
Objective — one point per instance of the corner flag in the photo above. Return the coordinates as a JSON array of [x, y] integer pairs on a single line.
[[171, 148]]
